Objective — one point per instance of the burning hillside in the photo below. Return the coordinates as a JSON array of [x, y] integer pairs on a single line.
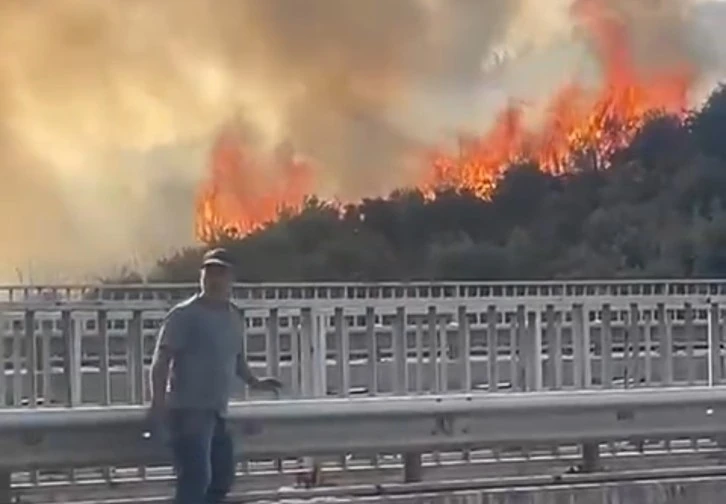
[[243, 193]]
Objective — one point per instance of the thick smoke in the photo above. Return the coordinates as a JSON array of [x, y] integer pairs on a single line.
[[107, 107]]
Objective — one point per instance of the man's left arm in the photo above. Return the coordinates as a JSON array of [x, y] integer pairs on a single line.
[[245, 373]]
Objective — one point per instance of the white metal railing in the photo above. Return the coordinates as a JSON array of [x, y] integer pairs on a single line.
[[98, 354]]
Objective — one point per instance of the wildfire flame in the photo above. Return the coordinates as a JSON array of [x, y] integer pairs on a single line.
[[237, 199], [244, 192], [578, 121]]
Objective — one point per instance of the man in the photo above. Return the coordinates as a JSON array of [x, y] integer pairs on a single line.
[[198, 353]]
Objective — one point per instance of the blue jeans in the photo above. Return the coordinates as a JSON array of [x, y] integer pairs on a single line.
[[203, 456]]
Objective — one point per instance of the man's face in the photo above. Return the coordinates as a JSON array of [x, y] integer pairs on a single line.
[[217, 280]]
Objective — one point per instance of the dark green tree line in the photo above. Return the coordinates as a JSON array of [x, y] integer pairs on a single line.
[[658, 211]]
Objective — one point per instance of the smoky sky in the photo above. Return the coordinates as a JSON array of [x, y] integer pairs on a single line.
[[107, 108]]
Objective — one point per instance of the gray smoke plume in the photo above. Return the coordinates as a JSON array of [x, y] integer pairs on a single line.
[[107, 108]]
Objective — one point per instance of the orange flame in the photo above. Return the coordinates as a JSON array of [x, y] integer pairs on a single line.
[[244, 193], [596, 123], [238, 199]]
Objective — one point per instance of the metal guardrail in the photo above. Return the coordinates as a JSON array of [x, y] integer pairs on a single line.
[[91, 437], [90, 484], [702, 485]]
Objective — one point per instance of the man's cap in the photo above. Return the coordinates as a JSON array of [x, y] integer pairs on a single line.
[[217, 257]]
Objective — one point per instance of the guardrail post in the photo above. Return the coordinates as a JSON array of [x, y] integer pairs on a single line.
[[6, 492], [590, 457], [412, 468], [313, 372], [411, 461]]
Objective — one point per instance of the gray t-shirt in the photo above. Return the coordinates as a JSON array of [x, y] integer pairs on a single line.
[[205, 342]]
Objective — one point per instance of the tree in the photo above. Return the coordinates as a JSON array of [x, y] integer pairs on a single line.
[[658, 210]]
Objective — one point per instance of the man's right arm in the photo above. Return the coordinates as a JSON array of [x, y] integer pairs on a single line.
[[168, 343]]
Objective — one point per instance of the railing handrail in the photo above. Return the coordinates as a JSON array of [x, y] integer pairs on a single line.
[[404, 283]]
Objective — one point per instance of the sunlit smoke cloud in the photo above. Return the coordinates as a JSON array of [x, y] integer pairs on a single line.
[[107, 107]]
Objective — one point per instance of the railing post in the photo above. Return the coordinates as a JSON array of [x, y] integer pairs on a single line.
[[372, 350], [243, 317], [31, 358], [319, 350], [534, 346], [433, 347], [577, 331], [492, 349], [342, 351], [665, 345], [419, 356], [103, 364], [400, 353], [524, 348], [443, 367], [690, 335], [636, 370], [464, 342], [606, 347], [272, 347], [714, 345], [3, 363], [135, 362], [71, 359], [306, 352], [554, 348]]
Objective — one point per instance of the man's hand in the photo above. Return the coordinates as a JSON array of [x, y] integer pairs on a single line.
[[157, 409], [157, 415], [269, 384], [156, 419]]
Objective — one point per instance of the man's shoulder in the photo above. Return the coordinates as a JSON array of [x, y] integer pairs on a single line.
[[183, 307]]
